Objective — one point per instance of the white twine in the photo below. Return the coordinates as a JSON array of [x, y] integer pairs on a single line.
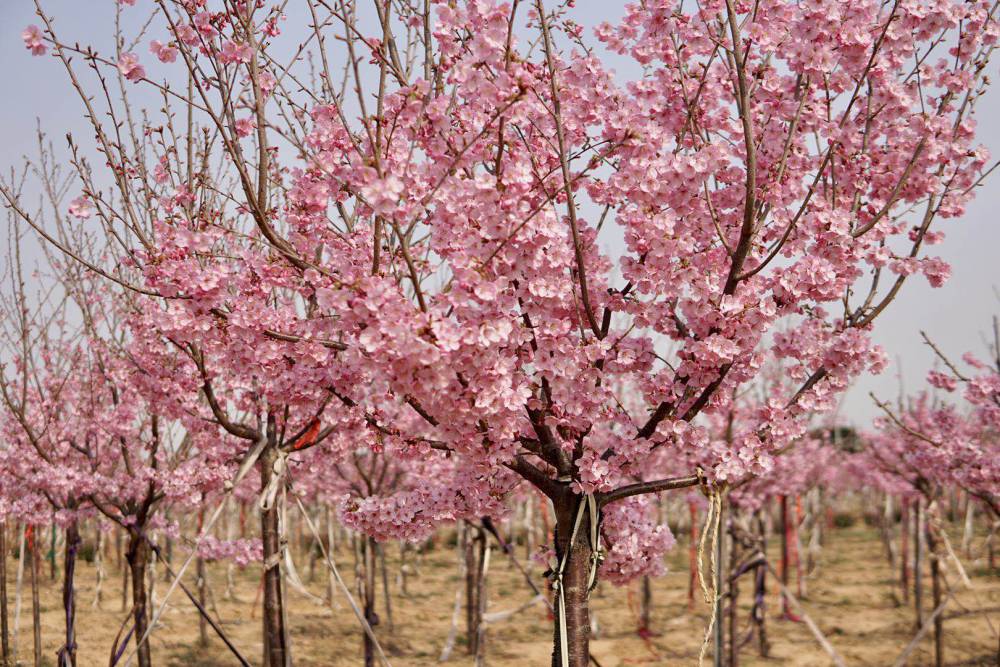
[[347, 591], [713, 525], [245, 468]]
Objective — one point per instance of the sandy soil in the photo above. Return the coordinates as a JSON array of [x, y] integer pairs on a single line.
[[851, 597]]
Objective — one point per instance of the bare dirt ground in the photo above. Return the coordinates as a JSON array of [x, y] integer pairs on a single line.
[[851, 596]]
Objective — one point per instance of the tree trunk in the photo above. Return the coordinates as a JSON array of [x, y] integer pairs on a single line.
[[734, 592], [386, 593], [137, 556], [202, 600], [904, 549], [67, 654], [719, 639], [918, 556], [692, 554], [275, 652], [368, 546], [98, 566], [482, 565], [800, 579], [646, 607], [470, 537], [786, 530], [760, 594], [4, 629], [52, 552], [36, 621], [935, 566], [575, 580], [968, 527]]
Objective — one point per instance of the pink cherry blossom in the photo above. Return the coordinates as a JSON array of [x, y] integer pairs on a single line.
[[33, 41], [165, 52], [130, 68]]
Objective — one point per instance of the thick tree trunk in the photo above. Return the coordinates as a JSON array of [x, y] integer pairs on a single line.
[[67, 654], [137, 556], [575, 580], [4, 629], [275, 651]]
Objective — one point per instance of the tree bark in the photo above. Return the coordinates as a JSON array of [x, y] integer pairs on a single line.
[[575, 580], [371, 615], [918, 556], [786, 530], [760, 594], [904, 549], [692, 554], [4, 629], [36, 621], [202, 600], [137, 557], [482, 564], [67, 654], [275, 652], [470, 537], [646, 606], [734, 592], [935, 567]]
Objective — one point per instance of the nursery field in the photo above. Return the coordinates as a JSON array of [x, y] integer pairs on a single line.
[[852, 595]]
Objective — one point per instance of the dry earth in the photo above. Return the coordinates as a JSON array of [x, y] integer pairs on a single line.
[[851, 597]]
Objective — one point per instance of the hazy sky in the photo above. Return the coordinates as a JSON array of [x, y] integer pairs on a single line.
[[957, 316]]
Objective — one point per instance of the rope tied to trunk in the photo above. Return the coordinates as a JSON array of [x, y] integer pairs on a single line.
[[587, 504], [713, 526], [275, 484]]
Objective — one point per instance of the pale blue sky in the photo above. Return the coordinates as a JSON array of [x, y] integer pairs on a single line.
[[957, 316]]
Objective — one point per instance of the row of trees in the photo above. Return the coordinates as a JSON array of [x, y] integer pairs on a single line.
[[413, 258]]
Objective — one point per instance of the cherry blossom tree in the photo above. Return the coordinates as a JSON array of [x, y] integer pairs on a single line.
[[482, 238]]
